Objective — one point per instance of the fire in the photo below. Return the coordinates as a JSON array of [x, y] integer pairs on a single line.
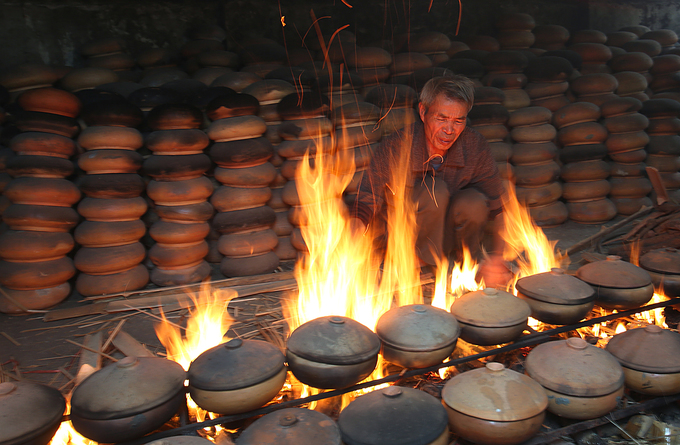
[[67, 435]]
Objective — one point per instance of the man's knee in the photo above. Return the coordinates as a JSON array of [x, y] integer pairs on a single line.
[[469, 205]]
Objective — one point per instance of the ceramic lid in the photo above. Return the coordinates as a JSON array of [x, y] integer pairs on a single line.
[[235, 364], [556, 287], [495, 393], [491, 308], [574, 367], [613, 272], [28, 410], [291, 426], [334, 340], [394, 415], [130, 386], [648, 349], [181, 440], [418, 328], [665, 260]]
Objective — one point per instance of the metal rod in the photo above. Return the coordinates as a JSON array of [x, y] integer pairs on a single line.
[[528, 340]]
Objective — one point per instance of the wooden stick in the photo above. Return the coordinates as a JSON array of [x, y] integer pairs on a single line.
[[92, 350], [604, 231], [13, 301], [8, 337], [115, 331], [126, 344], [90, 360], [74, 312]]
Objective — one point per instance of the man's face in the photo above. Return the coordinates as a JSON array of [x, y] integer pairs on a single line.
[[444, 121]]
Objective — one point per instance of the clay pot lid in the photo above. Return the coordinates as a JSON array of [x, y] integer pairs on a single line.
[[181, 440], [665, 260], [418, 328], [292, 426], [648, 349], [491, 308], [495, 393], [334, 340], [556, 287], [395, 415], [615, 273], [235, 364], [574, 367], [130, 386], [269, 91], [28, 410]]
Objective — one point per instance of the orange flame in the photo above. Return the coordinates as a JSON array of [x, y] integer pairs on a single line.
[[67, 435]]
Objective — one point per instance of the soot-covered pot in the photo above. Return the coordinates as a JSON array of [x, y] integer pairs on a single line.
[[237, 376], [292, 426], [582, 381], [650, 358], [128, 399], [417, 335], [494, 405], [555, 297], [332, 352], [181, 440], [394, 416], [490, 316], [663, 266], [30, 413], [618, 284]]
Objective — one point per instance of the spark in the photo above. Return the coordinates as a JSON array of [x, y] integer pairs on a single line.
[[283, 20]]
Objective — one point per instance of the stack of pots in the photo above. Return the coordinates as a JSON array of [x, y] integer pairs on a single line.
[[667, 38], [371, 65], [404, 64], [515, 31], [550, 37], [108, 53], [505, 70], [27, 76], [6, 154], [180, 191], [269, 93], [35, 268], [663, 150], [632, 73], [534, 156], [584, 171], [665, 73], [663, 266], [489, 117], [200, 39], [590, 45], [244, 219], [433, 44], [548, 82], [628, 180], [111, 253], [396, 103], [596, 88]]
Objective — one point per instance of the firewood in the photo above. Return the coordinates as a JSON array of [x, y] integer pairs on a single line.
[[129, 346], [74, 312], [90, 359]]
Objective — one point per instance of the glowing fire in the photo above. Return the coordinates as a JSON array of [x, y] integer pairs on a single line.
[[67, 435]]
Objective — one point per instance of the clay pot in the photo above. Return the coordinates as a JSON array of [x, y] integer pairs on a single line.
[[40, 166], [167, 232], [256, 176], [417, 336], [662, 266], [332, 352], [490, 316], [556, 298], [580, 380], [243, 220], [198, 212], [494, 405], [237, 376], [291, 426], [128, 280], [247, 243], [109, 233], [241, 153], [42, 191], [128, 399], [177, 142], [595, 211], [101, 209], [394, 415], [549, 215], [50, 100], [36, 274], [236, 128], [110, 161], [40, 218], [618, 284], [30, 246], [191, 273], [112, 185], [33, 299], [105, 260], [585, 190], [249, 265], [45, 404], [228, 199]]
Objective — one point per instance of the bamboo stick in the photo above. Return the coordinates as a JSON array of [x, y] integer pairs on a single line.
[[90, 360], [8, 337], [129, 346], [87, 348]]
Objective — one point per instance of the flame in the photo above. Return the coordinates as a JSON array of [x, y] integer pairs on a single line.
[[67, 435]]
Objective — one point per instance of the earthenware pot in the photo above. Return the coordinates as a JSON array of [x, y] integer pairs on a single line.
[[618, 284], [292, 426], [490, 316], [580, 380], [650, 358], [555, 297], [30, 413], [663, 266], [417, 335], [394, 416], [237, 376], [494, 405], [332, 352]]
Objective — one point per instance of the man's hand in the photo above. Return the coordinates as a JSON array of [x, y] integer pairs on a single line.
[[495, 271]]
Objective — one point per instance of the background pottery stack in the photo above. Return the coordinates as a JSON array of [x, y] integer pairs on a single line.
[[505, 70], [35, 268], [396, 103], [664, 71], [110, 256], [489, 117], [663, 149], [180, 192], [584, 172], [534, 156], [590, 45], [433, 44], [550, 37], [548, 82], [405, 63], [596, 88], [627, 136], [632, 72], [371, 65], [109, 53], [514, 31]]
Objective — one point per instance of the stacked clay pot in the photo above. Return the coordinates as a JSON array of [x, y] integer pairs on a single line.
[[489, 117], [35, 268], [340, 87], [596, 88], [548, 82], [6, 154], [667, 38], [396, 103], [664, 73], [260, 56], [27, 76], [180, 192], [505, 70], [628, 179], [534, 156], [111, 254], [405, 63], [433, 44], [108, 53], [244, 220], [515, 30], [371, 64], [584, 172], [87, 77], [550, 37], [200, 39], [590, 45], [630, 69], [269, 93], [616, 39], [663, 150]]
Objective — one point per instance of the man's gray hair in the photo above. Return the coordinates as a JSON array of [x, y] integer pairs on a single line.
[[454, 87]]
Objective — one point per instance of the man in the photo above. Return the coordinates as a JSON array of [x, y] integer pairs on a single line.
[[456, 184]]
